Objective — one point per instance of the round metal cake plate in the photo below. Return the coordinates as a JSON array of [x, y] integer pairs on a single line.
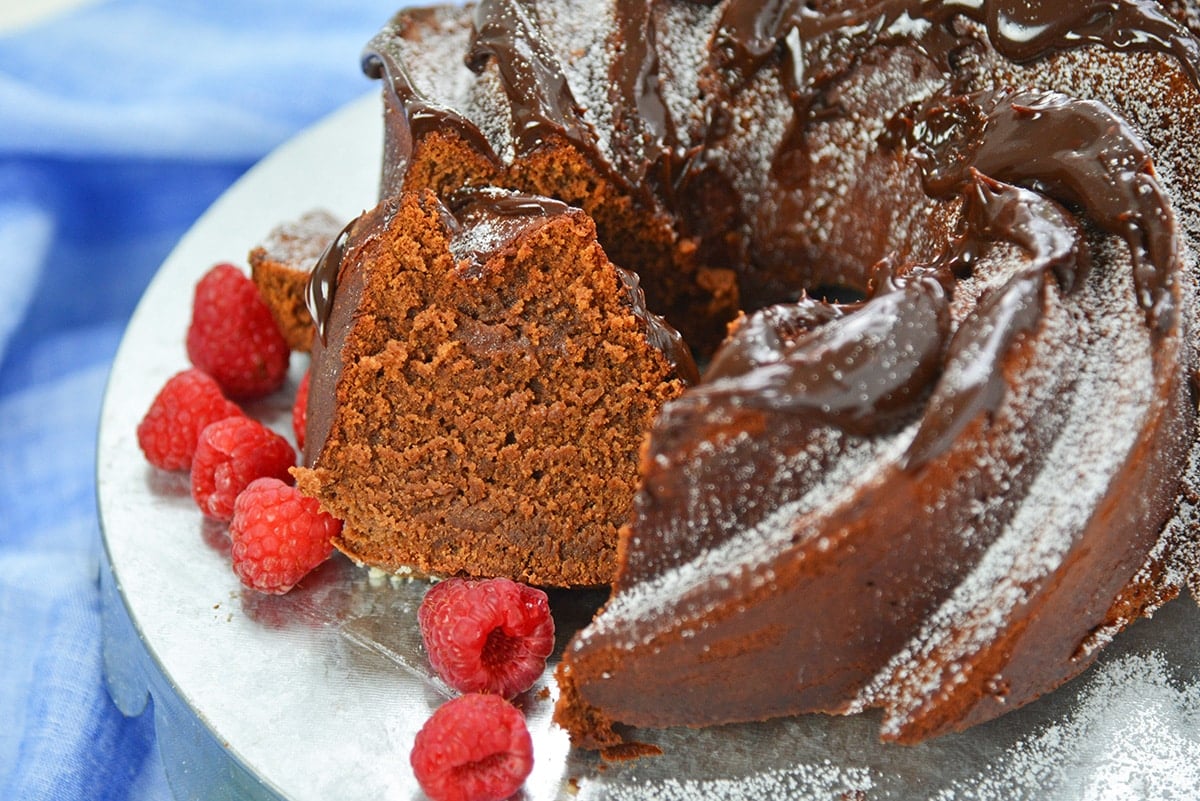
[[317, 695]]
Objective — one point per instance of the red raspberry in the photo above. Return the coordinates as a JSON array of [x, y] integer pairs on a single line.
[[300, 411], [474, 748], [187, 403], [488, 636], [233, 336], [229, 455], [278, 535]]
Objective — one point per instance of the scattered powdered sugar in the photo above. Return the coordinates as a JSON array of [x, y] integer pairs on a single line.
[[578, 31], [821, 782], [432, 72], [299, 242], [1134, 734], [684, 31]]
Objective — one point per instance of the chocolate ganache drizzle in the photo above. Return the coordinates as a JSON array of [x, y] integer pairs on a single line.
[[542, 104], [322, 283]]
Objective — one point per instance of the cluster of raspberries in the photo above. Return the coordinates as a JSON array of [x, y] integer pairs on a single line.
[[487, 639], [240, 469]]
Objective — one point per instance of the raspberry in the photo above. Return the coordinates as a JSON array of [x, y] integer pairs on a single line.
[[278, 535], [187, 403], [229, 455], [488, 636], [233, 336], [474, 748], [300, 411]]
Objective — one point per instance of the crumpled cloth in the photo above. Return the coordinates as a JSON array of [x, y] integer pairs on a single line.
[[119, 124]]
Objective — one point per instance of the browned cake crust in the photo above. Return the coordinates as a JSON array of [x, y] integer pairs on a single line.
[[280, 267], [491, 384]]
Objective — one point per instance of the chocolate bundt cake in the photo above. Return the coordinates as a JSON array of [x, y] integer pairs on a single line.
[[939, 261], [482, 380]]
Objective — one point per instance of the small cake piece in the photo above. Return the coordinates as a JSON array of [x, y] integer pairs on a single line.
[[482, 381], [280, 268]]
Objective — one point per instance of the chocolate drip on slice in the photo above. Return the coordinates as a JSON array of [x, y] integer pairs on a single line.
[[482, 222], [321, 288], [658, 332]]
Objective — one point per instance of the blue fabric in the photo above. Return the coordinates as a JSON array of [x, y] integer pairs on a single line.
[[119, 124]]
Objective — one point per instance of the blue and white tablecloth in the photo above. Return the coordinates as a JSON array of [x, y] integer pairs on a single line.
[[119, 124]]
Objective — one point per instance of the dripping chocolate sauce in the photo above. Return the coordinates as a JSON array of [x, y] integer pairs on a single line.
[[322, 283]]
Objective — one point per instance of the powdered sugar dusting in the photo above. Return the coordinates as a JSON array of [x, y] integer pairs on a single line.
[[579, 31], [1135, 734], [684, 32], [1102, 423], [297, 243], [803, 783]]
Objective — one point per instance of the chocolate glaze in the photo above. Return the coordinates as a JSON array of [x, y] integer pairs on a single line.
[[505, 33], [972, 380], [965, 145], [321, 287], [862, 371], [1078, 152], [750, 31], [848, 582], [659, 332], [979, 149], [649, 151]]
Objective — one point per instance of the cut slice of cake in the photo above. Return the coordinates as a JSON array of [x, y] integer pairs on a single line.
[[482, 381]]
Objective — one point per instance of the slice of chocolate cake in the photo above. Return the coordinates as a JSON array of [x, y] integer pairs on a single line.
[[482, 381]]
